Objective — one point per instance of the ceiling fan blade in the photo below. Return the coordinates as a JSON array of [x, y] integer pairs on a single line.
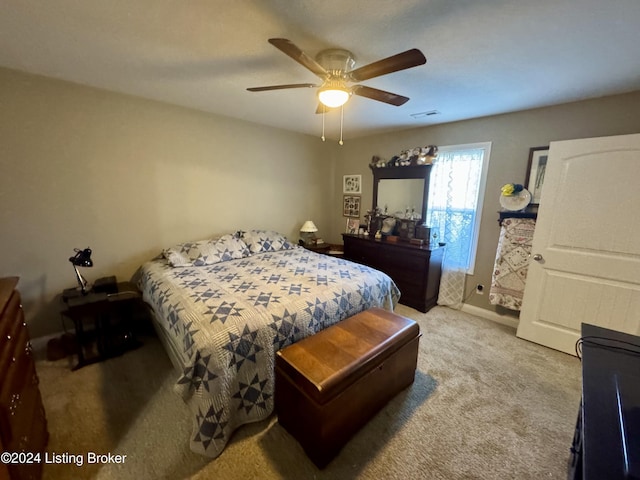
[[379, 95], [282, 87], [401, 61], [288, 48]]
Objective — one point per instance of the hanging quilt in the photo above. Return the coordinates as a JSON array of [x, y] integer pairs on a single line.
[[512, 262]]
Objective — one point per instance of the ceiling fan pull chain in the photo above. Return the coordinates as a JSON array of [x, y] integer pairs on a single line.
[[324, 110], [341, 123]]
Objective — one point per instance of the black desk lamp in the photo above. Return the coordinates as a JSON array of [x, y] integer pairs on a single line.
[[82, 258]]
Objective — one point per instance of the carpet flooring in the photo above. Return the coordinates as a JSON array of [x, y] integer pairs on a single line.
[[484, 405]]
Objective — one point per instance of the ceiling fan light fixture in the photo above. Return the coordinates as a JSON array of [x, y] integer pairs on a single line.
[[333, 96]]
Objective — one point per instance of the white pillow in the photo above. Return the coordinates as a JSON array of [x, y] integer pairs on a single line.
[[206, 252], [228, 247], [260, 241], [183, 254]]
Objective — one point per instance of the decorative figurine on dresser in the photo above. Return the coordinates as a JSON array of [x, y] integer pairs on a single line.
[[402, 251], [23, 425]]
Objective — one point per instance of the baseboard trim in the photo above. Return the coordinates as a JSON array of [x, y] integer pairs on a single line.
[[489, 315]]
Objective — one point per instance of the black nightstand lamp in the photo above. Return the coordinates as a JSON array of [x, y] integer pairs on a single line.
[[82, 258]]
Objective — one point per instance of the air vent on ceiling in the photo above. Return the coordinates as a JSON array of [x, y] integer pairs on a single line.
[[425, 114]]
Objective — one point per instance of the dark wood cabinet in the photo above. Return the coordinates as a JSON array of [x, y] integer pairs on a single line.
[[23, 426], [606, 443], [320, 248], [415, 269], [104, 319]]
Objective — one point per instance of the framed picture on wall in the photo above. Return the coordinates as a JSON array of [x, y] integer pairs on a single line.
[[351, 206], [535, 172], [352, 184]]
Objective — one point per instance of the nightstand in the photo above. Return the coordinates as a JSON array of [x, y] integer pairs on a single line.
[[103, 320], [320, 248], [327, 249]]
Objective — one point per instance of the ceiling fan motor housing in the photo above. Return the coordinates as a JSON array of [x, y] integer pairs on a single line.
[[336, 61]]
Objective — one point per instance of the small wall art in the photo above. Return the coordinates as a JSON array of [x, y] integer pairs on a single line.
[[352, 184], [535, 172], [351, 206]]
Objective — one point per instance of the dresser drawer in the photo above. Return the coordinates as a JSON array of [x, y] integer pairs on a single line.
[[19, 363], [23, 425], [30, 435], [414, 269], [409, 269], [19, 408], [27, 433], [411, 261], [362, 252], [11, 324], [15, 352]]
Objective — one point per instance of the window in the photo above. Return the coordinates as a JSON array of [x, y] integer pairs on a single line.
[[456, 190]]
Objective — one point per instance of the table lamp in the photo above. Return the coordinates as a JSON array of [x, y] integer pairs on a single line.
[[82, 258], [307, 232]]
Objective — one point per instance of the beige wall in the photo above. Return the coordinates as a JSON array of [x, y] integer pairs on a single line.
[[511, 135], [83, 167]]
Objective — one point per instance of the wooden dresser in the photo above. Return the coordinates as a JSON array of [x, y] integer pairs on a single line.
[[23, 426], [415, 270]]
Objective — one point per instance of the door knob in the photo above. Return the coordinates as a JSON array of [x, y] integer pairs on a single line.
[[537, 257]]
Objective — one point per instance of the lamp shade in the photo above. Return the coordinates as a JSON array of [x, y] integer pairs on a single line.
[[333, 97], [309, 227], [82, 258]]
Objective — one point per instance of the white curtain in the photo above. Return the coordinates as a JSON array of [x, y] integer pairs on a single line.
[[452, 215]]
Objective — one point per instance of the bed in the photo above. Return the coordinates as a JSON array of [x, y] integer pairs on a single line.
[[224, 306]]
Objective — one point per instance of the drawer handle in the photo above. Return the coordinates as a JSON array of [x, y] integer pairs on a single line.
[[8, 337]]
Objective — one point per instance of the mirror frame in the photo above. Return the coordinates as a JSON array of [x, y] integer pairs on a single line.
[[401, 173]]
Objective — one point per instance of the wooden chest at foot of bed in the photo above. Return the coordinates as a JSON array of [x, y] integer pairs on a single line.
[[331, 384]]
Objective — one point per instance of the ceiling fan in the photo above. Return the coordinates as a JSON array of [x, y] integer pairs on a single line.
[[334, 67]]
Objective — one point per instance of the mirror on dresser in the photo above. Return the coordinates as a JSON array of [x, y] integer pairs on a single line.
[[401, 191], [399, 197]]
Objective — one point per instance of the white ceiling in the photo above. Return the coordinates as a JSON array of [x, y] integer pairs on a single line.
[[484, 57]]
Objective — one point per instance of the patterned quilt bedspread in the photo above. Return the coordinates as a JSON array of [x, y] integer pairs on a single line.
[[512, 262], [229, 319]]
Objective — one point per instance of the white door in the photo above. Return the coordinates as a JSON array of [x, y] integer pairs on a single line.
[[585, 263]]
